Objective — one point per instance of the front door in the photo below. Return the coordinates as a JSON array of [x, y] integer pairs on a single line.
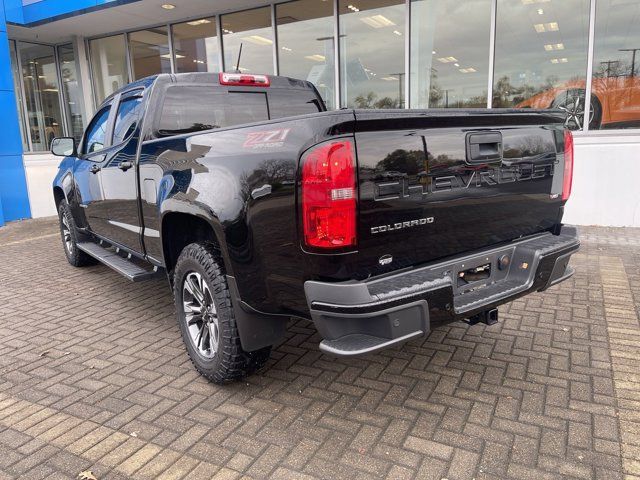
[[119, 174], [88, 172]]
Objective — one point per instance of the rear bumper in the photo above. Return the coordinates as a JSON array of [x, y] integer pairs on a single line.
[[358, 317]]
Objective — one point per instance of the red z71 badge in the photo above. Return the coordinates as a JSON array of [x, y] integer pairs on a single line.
[[268, 139]]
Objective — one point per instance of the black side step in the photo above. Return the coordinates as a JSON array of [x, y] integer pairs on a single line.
[[123, 266]]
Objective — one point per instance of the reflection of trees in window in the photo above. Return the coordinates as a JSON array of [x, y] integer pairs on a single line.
[[370, 101], [439, 97], [506, 95], [612, 68]]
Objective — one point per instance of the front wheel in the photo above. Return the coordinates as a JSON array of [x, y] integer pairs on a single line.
[[206, 318], [70, 236]]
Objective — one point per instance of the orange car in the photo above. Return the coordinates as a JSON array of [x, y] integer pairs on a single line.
[[615, 102]]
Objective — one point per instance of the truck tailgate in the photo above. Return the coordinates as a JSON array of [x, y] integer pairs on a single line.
[[438, 183]]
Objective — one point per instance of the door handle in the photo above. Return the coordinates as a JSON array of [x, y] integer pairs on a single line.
[[124, 166], [95, 168]]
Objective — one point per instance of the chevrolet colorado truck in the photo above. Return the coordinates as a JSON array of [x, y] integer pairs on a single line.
[[259, 205]]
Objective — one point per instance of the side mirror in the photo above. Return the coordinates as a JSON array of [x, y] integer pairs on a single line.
[[63, 146]]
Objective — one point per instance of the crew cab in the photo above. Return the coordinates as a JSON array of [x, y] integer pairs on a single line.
[[259, 205]]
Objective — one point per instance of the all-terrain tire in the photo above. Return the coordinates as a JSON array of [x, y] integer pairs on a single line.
[[228, 361], [70, 238]]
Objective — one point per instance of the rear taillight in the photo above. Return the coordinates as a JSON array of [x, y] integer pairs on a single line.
[[328, 191], [568, 165], [243, 80]]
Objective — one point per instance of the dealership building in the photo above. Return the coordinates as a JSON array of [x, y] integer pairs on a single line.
[[60, 59]]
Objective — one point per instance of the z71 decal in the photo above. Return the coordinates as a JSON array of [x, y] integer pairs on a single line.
[[268, 139]]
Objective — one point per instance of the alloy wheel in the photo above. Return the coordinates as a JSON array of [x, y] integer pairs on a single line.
[[573, 104], [66, 235], [200, 315]]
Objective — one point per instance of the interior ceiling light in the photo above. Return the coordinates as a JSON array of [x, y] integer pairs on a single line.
[[397, 33], [258, 40], [353, 8], [202, 21], [546, 27], [224, 30], [554, 46], [286, 49], [317, 57], [468, 70], [377, 21], [168, 6], [531, 2], [389, 78], [447, 59], [540, 11]]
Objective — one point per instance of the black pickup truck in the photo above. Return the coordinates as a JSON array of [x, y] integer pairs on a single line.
[[259, 205]]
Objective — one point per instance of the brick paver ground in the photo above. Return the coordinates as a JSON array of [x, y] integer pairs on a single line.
[[93, 376]]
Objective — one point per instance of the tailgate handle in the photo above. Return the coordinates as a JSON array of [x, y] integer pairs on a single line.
[[484, 147]]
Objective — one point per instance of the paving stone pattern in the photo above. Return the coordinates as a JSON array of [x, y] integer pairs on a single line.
[[94, 376]]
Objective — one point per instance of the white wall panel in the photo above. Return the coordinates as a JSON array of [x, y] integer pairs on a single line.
[[606, 181]]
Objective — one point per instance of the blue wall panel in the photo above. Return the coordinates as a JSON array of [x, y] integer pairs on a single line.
[[13, 11], [10, 136], [13, 188], [6, 82], [46, 9], [14, 197]]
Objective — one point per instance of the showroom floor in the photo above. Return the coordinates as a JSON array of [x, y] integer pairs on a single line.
[[93, 376]]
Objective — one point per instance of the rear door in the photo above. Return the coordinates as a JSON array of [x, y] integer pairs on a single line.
[[434, 185]]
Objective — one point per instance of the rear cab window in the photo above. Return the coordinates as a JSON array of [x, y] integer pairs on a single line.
[[193, 108]]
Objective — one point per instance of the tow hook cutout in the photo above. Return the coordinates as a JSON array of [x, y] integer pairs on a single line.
[[488, 317]]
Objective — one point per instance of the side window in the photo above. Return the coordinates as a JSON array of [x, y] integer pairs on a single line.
[[127, 118], [97, 131]]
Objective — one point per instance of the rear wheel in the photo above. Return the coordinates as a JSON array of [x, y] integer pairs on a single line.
[[206, 317], [572, 102], [70, 236]]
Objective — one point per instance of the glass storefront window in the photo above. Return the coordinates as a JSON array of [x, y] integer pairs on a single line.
[[449, 53], [615, 89], [195, 46], [372, 66], [149, 50], [72, 93], [18, 91], [541, 56], [251, 29], [108, 65], [306, 44], [41, 93]]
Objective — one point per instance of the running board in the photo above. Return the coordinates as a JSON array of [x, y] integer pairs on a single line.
[[112, 259]]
